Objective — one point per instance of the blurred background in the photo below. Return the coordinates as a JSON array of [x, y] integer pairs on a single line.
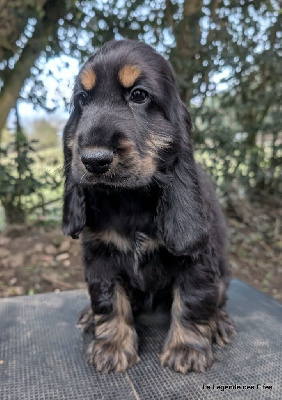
[[227, 59]]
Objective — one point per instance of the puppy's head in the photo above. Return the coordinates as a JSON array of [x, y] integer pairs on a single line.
[[128, 128], [122, 130]]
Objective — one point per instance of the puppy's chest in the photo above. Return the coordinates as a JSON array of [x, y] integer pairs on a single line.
[[138, 244], [137, 252], [143, 247], [124, 227]]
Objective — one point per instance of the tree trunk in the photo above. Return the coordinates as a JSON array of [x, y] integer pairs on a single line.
[[14, 214], [44, 29], [187, 34], [12, 88]]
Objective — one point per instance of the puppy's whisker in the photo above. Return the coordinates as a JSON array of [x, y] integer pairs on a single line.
[[81, 179]]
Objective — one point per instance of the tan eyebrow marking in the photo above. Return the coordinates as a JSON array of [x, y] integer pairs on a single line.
[[88, 79], [128, 75]]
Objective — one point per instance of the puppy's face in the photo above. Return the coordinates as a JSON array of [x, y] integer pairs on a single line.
[[123, 130]]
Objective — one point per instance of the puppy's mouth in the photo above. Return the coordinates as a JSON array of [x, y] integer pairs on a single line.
[[123, 167]]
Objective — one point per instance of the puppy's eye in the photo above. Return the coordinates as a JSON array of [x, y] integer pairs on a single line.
[[82, 99], [139, 96]]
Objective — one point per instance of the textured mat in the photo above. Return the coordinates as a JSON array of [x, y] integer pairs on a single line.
[[42, 354]]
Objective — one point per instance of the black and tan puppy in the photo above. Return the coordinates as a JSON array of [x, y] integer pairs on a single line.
[[152, 227]]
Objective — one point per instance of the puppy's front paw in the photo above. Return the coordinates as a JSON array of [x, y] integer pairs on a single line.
[[184, 359], [116, 357]]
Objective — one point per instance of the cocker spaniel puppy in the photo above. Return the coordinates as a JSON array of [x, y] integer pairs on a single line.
[[151, 224]]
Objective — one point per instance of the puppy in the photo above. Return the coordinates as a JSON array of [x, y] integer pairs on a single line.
[[151, 224]]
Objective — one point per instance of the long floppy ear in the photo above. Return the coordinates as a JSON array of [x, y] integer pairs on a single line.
[[73, 210], [74, 215], [181, 219]]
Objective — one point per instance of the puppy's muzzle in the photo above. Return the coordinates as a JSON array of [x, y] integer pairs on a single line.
[[97, 161]]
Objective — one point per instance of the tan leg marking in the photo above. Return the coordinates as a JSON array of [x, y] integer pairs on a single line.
[[187, 348], [115, 345]]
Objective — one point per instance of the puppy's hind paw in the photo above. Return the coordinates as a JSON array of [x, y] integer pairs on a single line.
[[225, 329], [86, 320]]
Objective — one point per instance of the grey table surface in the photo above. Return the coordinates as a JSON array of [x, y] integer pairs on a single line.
[[42, 353]]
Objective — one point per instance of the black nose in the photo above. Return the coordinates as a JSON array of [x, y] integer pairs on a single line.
[[97, 160]]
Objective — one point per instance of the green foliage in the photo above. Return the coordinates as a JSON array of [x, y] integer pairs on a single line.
[[14, 19], [18, 182], [238, 122], [228, 154], [226, 55]]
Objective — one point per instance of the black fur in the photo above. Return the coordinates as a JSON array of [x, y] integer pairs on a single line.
[[152, 223]]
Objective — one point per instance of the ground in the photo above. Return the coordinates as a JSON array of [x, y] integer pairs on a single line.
[[36, 259]]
